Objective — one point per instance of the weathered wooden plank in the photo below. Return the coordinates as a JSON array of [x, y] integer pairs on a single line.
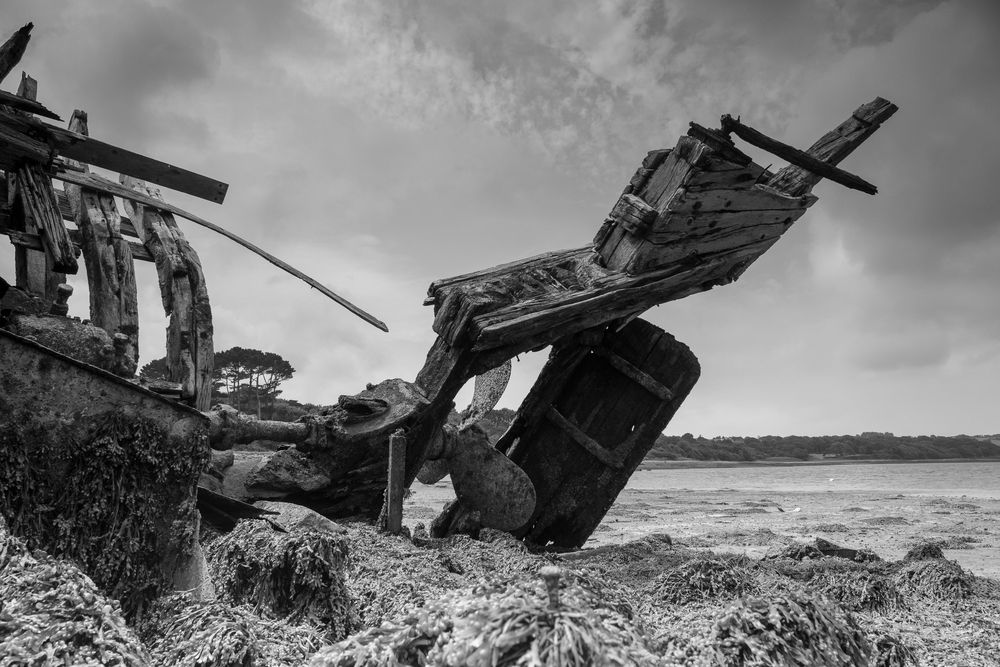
[[190, 352], [530, 325], [12, 50], [33, 189], [605, 456], [395, 486], [104, 185], [795, 156], [34, 242], [126, 228], [835, 145], [109, 257], [753, 198], [28, 105], [636, 374], [101, 154], [19, 148], [614, 414]]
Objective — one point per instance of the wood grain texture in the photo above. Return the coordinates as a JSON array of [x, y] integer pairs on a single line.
[[797, 157], [100, 154], [835, 145], [109, 187], [108, 257], [12, 50], [190, 351], [575, 491]]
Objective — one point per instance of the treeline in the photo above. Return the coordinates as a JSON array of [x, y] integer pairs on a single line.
[[868, 445], [864, 446]]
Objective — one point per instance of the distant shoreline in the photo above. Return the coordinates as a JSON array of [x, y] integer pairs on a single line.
[[666, 464]]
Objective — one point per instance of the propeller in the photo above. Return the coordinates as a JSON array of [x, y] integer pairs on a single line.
[[484, 479]]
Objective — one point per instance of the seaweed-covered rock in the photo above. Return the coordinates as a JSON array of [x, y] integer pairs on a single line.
[[890, 652], [498, 625], [52, 614], [298, 576], [858, 589], [704, 578], [924, 551], [294, 517], [789, 630], [180, 631], [938, 579], [113, 491]]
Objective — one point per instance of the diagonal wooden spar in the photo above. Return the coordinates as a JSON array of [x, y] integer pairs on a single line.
[[112, 188]]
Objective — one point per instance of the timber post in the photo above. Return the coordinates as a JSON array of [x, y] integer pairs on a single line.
[[108, 258], [395, 484]]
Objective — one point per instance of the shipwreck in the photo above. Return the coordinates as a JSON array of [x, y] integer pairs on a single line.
[[109, 471]]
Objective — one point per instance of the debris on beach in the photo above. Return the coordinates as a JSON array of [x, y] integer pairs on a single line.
[[108, 474], [297, 576], [555, 623], [51, 613], [793, 630], [182, 631]]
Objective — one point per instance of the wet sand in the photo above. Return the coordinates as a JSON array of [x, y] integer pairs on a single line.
[[751, 522]]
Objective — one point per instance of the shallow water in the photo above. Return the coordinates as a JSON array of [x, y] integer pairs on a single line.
[[975, 479]]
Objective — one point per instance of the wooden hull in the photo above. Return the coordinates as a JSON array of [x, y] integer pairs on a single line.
[[592, 416]]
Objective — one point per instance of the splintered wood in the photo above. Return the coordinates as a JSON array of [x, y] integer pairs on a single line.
[[190, 353], [114, 303], [693, 217]]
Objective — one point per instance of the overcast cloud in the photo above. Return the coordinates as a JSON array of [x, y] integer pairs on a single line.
[[380, 145]]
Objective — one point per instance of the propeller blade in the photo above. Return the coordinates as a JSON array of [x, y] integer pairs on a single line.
[[487, 481], [432, 472], [489, 388]]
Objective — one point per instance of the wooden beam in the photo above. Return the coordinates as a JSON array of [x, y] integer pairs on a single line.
[[39, 201], [101, 154], [12, 50], [395, 486], [636, 374], [34, 242], [112, 188], [605, 456], [114, 303], [835, 145], [190, 351], [22, 104], [795, 156], [98, 153], [41, 273]]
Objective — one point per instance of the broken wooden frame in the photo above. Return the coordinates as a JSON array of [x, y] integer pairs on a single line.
[[33, 214]]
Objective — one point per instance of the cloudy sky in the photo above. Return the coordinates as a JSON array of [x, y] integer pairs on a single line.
[[380, 145]]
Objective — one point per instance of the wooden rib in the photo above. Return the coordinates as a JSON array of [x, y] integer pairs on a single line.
[[34, 242], [636, 374], [126, 227], [13, 49], [110, 187], [190, 351], [114, 304], [835, 145], [795, 156], [29, 105], [592, 446], [41, 273]]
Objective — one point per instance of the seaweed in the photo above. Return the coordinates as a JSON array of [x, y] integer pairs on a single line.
[[704, 578], [95, 492], [297, 576], [520, 623], [181, 631], [796, 629], [938, 579], [52, 614]]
